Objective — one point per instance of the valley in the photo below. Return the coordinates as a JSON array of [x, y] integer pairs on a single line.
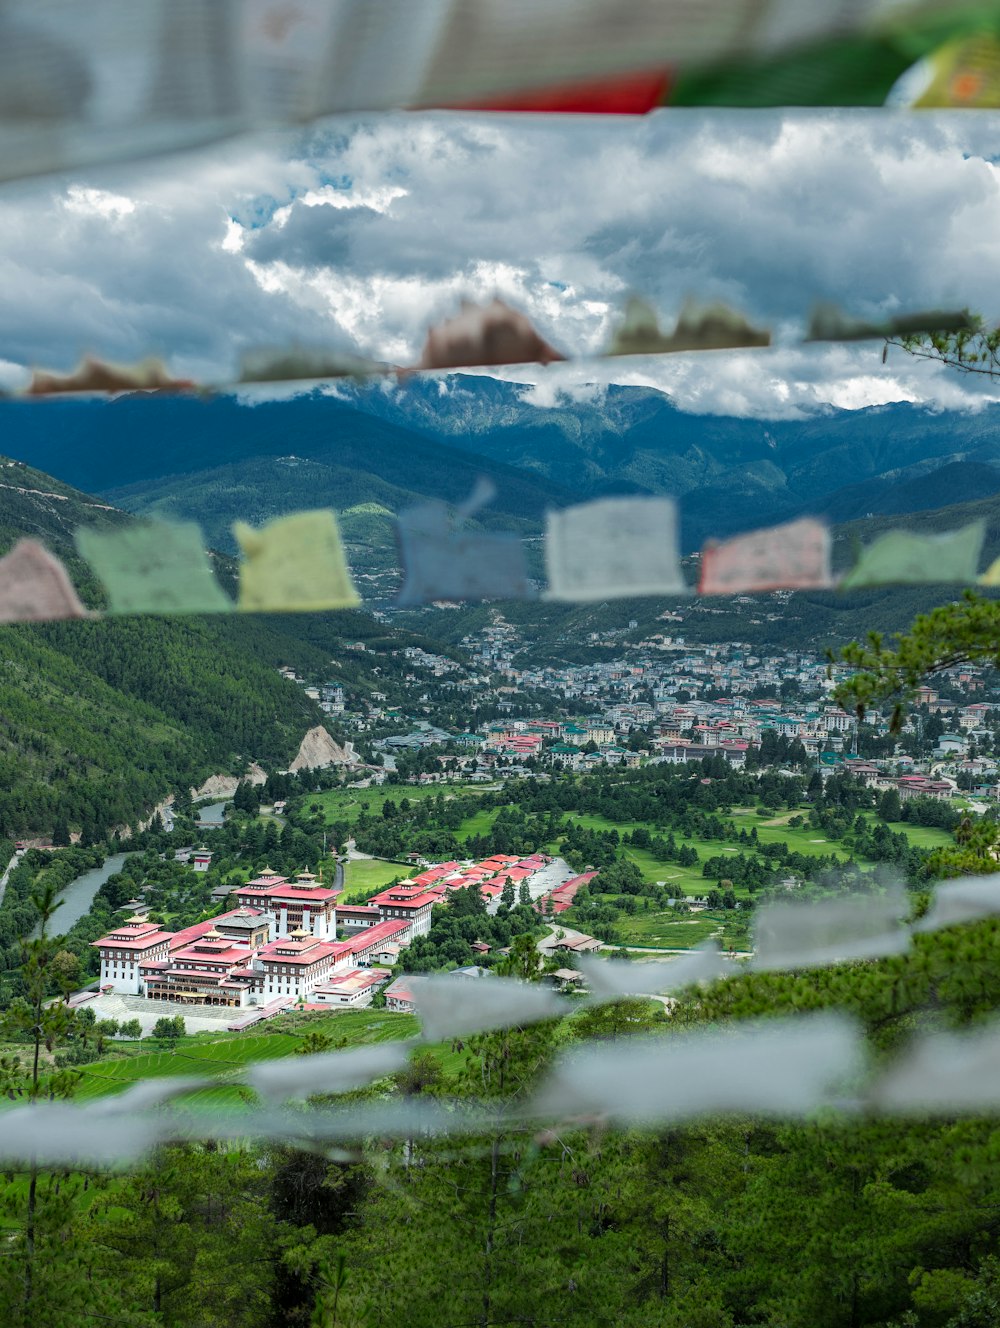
[[462, 794]]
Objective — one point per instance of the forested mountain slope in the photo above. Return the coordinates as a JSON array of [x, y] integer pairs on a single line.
[[99, 719], [730, 473]]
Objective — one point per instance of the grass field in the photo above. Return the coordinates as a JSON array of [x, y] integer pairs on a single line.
[[346, 804], [363, 877], [478, 824], [923, 836], [662, 929], [800, 839]]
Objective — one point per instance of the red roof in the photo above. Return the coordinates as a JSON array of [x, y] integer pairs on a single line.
[[232, 954], [190, 934], [285, 951], [383, 931], [142, 937], [397, 898], [319, 894], [359, 979]]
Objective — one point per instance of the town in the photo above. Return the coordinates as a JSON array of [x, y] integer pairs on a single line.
[[665, 701]]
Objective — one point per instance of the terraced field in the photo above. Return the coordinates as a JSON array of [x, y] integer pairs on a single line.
[[225, 1058]]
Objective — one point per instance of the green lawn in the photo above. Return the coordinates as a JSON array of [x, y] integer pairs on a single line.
[[800, 839], [664, 929], [363, 877], [923, 836], [478, 824]]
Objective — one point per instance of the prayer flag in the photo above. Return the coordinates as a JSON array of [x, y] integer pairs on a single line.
[[294, 563], [613, 548], [35, 586], [795, 556], [154, 567], [284, 364], [440, 562], [94, 375], [901, 558], [485, 334], [829, 931], [828, 323], [699, 327]]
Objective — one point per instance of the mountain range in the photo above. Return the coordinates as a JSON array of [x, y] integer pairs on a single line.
[[368, 449]]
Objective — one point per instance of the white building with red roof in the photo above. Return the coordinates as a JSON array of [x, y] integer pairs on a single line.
[[212, 970], [294, 965], [125, 949], [355, 916], [409, 902], [304, 904], [352, 990]]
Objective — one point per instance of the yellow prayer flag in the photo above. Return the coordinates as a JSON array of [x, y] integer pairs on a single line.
[[294, 564], [991, 577]]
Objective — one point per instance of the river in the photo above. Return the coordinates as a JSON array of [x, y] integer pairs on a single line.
[[79, 894], [210, 816]]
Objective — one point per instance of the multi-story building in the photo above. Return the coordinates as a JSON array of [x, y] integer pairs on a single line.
[[409, 903], [214, 970], [305, 904], [124, 950], [294, 965]]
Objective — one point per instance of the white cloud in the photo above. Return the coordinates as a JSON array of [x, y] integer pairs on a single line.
[[97, 203], [363, 234]]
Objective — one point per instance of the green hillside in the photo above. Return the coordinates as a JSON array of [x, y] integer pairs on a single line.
[[98, 720]]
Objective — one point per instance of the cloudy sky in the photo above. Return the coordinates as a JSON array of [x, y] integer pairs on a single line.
[[360, 234]]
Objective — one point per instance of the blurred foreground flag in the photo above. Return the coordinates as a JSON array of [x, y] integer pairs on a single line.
[[440, 562], [35, 587], [290, 363], [154, 567], [708, 327], [613, 548], [781, 1067], [795, 934], [828, 323], [94, 375], [115, 78], [901, 558], [294, 564], [991, 577], [795, 556], [480, 334]]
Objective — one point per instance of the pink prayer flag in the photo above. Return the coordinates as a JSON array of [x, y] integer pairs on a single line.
[[35, 586], [795, 556]]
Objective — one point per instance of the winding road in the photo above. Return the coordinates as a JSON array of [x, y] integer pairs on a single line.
[[7, 871]]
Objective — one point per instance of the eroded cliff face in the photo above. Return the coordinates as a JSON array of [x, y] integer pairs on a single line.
[[319, 749], [224, 786]]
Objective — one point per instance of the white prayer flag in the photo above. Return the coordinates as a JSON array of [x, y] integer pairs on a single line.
[[613, 548]]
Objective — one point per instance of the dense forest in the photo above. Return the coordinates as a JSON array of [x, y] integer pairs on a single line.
[[836, 1221]]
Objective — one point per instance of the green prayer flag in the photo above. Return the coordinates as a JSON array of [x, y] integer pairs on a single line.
[[902, 558], [294, 563], [154, 567]]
